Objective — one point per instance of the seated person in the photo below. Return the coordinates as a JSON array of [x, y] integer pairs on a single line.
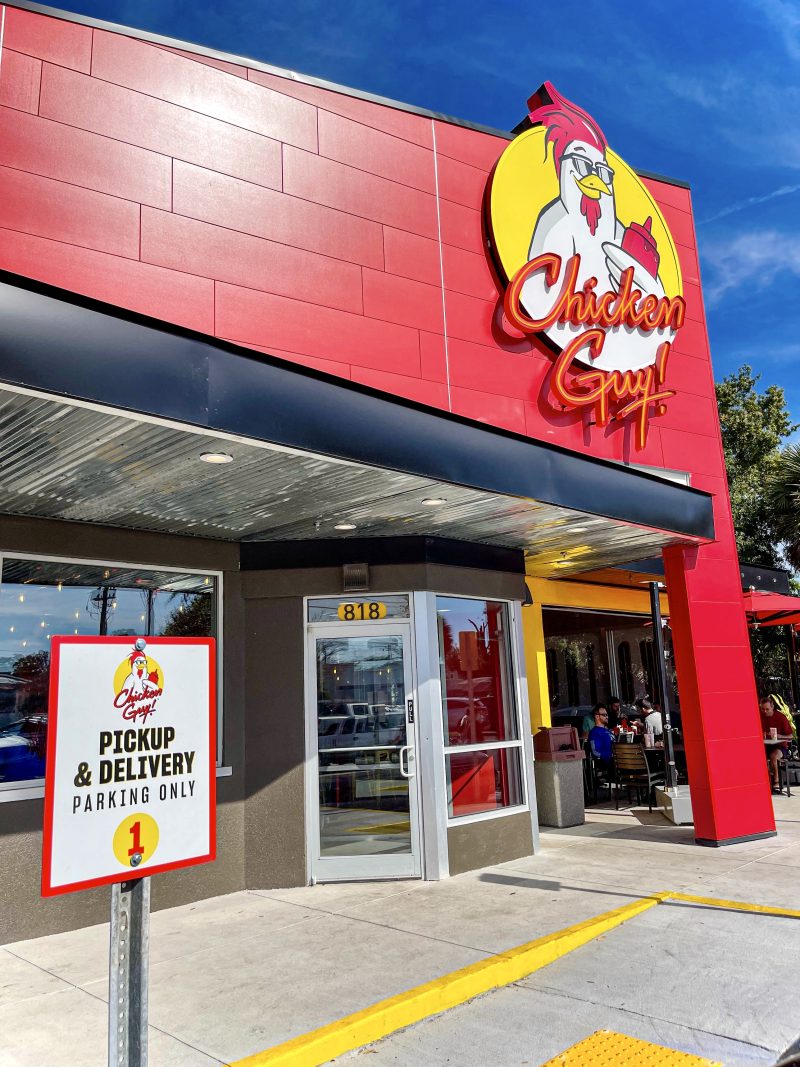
[[772, 717], [601, 739], [614, 712], [651, 720]]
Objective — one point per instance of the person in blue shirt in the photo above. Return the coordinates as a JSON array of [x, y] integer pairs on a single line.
[[600, 737]]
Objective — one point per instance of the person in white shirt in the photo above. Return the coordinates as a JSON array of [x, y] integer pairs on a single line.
[[651, 720]]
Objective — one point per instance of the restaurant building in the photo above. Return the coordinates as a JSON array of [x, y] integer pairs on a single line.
[[329, 378]]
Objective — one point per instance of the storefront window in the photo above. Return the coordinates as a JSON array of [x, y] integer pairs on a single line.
[[483, 749], [40, 599]]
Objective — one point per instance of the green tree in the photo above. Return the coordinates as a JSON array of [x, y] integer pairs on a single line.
[[783, 493], [754, 424]]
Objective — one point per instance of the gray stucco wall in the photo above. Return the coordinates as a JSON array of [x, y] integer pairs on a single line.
[[480, 844]]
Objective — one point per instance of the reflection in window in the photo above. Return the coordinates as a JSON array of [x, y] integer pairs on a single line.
[[552, 676], [573, 689], [41, 599], [592, 674], [478, 706], [625, 672]]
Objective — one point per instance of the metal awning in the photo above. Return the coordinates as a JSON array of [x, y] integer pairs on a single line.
[[104, 415]]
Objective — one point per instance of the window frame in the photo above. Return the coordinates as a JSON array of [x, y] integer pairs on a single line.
[[33, 788], [513, 687]]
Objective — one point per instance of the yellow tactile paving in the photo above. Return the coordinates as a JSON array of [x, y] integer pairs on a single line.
[[605, 1048]]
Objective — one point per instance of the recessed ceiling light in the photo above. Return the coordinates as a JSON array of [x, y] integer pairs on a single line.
[[576, 529], [216, 457], [345, 526], [434, 501]]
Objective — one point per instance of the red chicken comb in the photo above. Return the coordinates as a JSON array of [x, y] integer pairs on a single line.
[[565, 122]]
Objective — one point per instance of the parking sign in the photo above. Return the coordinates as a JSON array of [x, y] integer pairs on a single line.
[[130, 780]]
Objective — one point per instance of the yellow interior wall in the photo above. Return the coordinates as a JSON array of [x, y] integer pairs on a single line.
[[578, 595], [536, 666]]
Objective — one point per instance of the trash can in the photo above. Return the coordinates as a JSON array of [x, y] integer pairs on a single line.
[[558, 772]]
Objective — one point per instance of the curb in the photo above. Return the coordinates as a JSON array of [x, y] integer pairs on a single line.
[[404, 1009]]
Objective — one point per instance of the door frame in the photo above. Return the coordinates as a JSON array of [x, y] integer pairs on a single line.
[[355, 868]]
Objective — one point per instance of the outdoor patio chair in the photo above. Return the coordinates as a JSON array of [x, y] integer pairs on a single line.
[[788, 767], [632, 770]]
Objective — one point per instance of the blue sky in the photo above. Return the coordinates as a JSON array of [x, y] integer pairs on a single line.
[[707, 91]]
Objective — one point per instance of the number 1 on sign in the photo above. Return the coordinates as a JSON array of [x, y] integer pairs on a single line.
[[135, 832]]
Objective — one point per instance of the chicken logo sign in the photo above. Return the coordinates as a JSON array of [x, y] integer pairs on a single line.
[[589, 263], [138, 683]]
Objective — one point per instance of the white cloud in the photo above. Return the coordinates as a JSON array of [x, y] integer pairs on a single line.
[[752, 201], [755, 259], [785, 17]]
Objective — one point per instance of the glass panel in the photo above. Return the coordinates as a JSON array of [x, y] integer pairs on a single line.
[[358, 608], [483, 781], [476, 674], [40, 599], [361, 727]]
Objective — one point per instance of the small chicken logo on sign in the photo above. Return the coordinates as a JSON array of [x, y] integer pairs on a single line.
[[138, 683], [590, 263]]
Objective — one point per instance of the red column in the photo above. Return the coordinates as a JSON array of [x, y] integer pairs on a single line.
[[730, 787]]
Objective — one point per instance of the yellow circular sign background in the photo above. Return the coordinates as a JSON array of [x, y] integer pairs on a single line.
[[124, 669], [125, 839], [525, 181]]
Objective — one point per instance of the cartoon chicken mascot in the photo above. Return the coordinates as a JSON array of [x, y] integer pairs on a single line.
[[583, 220], [139, 681]]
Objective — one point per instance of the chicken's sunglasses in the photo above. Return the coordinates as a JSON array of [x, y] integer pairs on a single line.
[[584, 167]]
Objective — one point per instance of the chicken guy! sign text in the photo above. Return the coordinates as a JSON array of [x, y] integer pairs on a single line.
[[590, 263], [131, 768]]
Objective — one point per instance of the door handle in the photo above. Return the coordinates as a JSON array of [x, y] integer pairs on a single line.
[[406, 751]]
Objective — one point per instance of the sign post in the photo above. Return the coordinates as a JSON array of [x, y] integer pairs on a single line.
[[127, 973], [130, 791]]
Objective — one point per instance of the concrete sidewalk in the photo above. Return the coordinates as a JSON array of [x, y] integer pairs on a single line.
[[237, 974]]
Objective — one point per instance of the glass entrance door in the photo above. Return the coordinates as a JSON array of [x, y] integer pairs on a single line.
[[363, 752]]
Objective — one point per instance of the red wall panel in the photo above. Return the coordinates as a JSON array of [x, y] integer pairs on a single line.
[[41, 146], [197, 87], [20, 81], [164, 294], [249, 316], [214, 252], [375, 152], [401, 300], [65, 43], [324, 181], [411, 256], [32, 204], [240, 205], [403, 124], [331, 230], [134, 118]]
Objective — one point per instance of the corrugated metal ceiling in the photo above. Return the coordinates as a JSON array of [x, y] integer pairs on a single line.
[[63, 460]]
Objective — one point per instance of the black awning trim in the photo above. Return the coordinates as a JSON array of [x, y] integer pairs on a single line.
[[55, 341]]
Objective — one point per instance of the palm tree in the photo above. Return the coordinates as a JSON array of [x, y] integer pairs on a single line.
[[783, 488]]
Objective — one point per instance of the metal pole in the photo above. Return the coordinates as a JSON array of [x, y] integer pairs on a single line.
[[792, 649], [127, 973], [661, 674]]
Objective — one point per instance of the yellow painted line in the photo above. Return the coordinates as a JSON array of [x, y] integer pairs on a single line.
[[734, 905], [608, 1049], [404, 1009]]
